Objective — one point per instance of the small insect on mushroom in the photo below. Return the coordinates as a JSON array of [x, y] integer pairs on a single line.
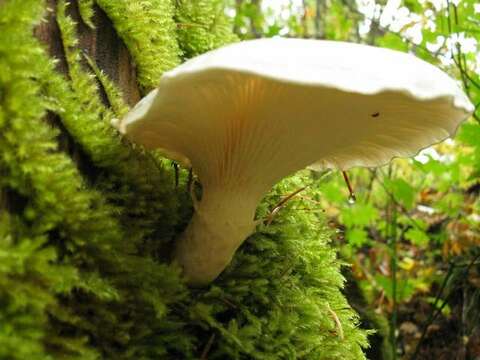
[[249, 114]]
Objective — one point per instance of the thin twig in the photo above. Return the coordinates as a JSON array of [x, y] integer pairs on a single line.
[[337, 322], [319, 209], [280, 204], [192, 25], [350, 189], [391, 236], [393, 265], [229, 303], [310, 199], [207, 347]]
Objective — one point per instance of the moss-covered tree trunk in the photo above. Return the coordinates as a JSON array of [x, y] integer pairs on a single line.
[[99, 41], [87, 220]]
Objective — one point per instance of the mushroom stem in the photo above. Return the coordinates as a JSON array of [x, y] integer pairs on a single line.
[[221, 222]]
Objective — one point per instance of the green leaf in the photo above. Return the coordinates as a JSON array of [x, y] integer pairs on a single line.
[[359, 215], [331, 191], [404, 288], [392, 41], [357, 237], [417, 237], [401, 191], [469, 134], [450, 204]]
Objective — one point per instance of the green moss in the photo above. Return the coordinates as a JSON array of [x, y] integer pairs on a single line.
[[84, 244], [148, 30], [115, 99], [50, 204], [202, 26], [85, 8]]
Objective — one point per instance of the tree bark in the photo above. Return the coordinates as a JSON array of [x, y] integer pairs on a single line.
[[101, 44]]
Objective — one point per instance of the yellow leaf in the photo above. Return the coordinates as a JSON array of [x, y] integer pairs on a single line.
[[407, 264]]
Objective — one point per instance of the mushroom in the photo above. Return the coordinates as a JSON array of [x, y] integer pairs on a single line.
[[249, 114]]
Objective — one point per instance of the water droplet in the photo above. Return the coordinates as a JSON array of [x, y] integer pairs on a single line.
[[352, 199]]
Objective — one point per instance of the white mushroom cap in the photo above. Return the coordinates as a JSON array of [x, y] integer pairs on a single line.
[[246, 115], [332, 103]]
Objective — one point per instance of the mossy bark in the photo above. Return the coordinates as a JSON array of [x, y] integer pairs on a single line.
[[100, 43]]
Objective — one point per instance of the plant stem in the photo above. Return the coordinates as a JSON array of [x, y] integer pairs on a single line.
[[393, 264], [391, 235]]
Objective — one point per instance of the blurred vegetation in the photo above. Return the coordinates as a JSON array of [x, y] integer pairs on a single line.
[[412, 236]]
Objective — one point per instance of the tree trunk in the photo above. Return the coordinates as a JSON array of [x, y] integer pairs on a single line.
[[101, 44]]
